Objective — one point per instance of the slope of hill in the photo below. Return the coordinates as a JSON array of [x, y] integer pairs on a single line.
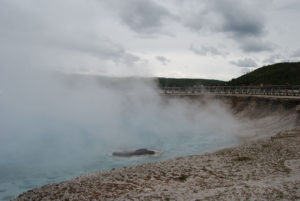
[[184, 82], [124, 82], [275, 74]]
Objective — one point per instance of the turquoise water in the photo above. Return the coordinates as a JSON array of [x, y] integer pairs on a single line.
[[17, 176], [52, 130]]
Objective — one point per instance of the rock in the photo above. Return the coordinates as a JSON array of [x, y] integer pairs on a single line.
[[138, 152]]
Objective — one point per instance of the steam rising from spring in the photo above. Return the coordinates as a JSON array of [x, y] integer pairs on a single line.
[[52, 120], [72, 117]]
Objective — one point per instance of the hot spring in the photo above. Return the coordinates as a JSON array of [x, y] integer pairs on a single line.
[[54, 128]]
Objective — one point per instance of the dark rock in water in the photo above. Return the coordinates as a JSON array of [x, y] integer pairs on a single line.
[[138, 152]]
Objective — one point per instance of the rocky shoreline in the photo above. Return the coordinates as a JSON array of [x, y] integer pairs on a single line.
[[262, 170]]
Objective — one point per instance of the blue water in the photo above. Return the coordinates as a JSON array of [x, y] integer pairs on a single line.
[[51, 131], [17, 176]]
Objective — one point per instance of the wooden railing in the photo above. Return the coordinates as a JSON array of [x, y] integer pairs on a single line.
[[275, 90]]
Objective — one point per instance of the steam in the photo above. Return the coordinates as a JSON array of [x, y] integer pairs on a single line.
[[57, 119], [61, 119], [56, 126]]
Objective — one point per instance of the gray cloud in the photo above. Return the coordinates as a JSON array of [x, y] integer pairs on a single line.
[[237, 18], [296, 53], [255, 45], [247, 62], [205, 50], [274, 58], [245, 70], [40, 41], [144, 16], [163, 60], [292, 5], [101, 48]]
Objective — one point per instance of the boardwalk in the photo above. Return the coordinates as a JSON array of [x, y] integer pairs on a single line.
[[278, 90]]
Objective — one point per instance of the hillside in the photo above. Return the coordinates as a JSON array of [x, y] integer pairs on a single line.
[[275, 74], [183, 82]]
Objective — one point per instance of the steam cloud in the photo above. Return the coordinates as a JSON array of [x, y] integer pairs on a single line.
[[67, 117], [53, 121]]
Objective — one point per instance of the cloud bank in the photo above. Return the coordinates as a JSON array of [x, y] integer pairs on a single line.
[[123, 38], [247, 62]]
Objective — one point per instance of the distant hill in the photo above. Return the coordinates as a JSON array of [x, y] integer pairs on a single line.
[[275, 74], [124, 82], [184, 82]]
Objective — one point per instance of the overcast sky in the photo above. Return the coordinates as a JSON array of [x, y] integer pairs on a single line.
[[215, 39]]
